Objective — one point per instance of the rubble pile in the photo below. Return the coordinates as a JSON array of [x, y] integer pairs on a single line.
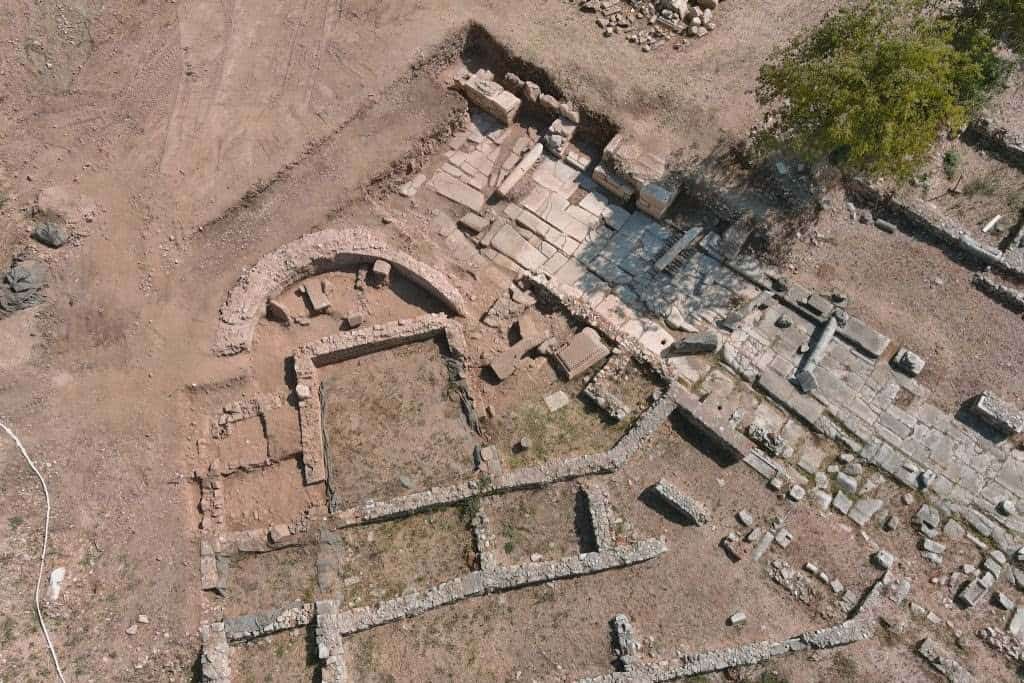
[[650, 25]]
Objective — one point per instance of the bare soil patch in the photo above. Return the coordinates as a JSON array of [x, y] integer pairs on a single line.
[[271, 495], [287, 656], [385, 560], [393, 424], [265, 581], [531, 525]]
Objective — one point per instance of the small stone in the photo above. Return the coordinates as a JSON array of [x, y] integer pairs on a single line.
[[777, 484], [823, 499], [1002, 601], [954, 530], [56, 582], [278, 312], [143, 619], [303, 392], [842, 502], [381, 271], [1006, 507], [556, 401], [854, 469], [908, 362], [930, 546], [50, 234], [846, 483], [737, 619], [132, 630], [883, 559], [745, 518], [907, 498], [353, 320], [891, 523], [797, 493], [925, 479], [783, 322], [524, 444]]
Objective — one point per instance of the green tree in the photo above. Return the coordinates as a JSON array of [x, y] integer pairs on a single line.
[[873, 86]]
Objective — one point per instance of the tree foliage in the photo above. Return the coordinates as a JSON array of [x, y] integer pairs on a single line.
[[873, 85], [1002, 19]]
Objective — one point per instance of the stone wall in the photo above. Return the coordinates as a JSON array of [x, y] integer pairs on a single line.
[[498, 579], [918, 215], [600, 515], [329, 644], [886, 593], [215, 661], [347, 345], [319, 252]]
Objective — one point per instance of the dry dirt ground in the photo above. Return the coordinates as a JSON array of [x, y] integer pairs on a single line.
[[205, 134]]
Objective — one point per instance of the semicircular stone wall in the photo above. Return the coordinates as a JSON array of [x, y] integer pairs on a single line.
[[313, 254]]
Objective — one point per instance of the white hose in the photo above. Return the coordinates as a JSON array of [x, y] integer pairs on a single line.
[[42, 556]]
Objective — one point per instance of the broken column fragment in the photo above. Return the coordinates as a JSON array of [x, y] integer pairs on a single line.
[[804, 379], [692, 344], [681, 503]]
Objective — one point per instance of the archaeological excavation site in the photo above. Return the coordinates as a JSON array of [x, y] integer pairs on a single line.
[[566, 341]]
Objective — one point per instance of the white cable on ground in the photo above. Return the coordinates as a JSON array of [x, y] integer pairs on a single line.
[[42, 556]]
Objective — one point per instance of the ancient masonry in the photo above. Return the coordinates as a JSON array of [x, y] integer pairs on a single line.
[[310, 255], [624, 276], [884, 596]]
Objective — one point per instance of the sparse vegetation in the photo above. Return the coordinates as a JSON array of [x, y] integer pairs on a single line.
[[874, 85], [15, 522], [951, 162], [983, 185]]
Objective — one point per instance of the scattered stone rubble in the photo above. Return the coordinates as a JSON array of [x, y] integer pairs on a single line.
[[650, 24], [602, 388]]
